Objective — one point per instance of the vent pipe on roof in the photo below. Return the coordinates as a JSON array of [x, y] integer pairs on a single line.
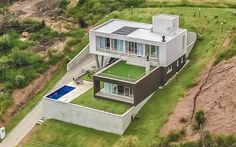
[[163, 38]]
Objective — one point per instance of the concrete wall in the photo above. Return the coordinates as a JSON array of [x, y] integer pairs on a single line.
[[83, 116], [78, 58], [174, 49], [191, 40], [88, 117]]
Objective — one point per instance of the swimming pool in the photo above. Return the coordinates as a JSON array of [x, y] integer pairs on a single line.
[[60, 92]]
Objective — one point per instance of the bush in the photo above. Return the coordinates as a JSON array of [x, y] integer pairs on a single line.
[[183, 120], [127, 141], [133, 2], [20, 81], [63, 4], [5, 43], [200, 118]]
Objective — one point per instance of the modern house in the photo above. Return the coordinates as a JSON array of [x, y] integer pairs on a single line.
[[148, 55], [144, 57]]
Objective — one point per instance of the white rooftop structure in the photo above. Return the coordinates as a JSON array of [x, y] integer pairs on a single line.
[[163, 25]]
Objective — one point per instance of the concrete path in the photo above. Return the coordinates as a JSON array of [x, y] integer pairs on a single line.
[[76, 71], [19, 132], [27, 123]]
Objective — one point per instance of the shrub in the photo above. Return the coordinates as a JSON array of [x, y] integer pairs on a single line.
[[5, 43], [200, 118], [182, 120], [133, 2], [63, 4], [20, 81]]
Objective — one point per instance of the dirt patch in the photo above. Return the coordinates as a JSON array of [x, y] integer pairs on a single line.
[[227, 41], [47, 10], [217, 99], [22, 96]]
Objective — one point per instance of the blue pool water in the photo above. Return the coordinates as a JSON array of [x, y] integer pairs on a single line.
[[60, 92]]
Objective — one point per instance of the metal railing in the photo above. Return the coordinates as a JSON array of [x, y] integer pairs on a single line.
[[122, 77]]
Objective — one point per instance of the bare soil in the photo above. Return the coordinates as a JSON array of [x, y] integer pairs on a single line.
[[217, 99], [22, 96], [46, 10]]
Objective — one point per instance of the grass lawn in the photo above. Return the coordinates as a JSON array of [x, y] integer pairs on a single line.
[[124, 71], [87, 77], [87, 99], [70, 136], [157, 110]]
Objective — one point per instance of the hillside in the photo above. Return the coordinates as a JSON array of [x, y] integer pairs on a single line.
[[145, 128], [216, 98]]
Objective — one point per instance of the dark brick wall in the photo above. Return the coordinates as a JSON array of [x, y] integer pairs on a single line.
[[147, 85], [166, 76]]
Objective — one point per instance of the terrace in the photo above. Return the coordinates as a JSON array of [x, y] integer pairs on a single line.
[[124, 72], [87, 99]]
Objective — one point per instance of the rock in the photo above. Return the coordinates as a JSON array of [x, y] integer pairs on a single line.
[[25, 34]]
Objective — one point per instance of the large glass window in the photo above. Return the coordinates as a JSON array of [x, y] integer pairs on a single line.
[[118, 90], [154, 51], [132, 48], [104, 43], [140, 49], [118, 45]]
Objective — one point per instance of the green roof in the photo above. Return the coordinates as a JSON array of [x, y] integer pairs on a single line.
[[87, 99], [123, 71]]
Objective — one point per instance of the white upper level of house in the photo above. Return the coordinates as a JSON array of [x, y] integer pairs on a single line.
[[144, 31], [163, 40]]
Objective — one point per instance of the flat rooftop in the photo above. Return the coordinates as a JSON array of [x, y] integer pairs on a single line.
[[140, 30], [124, 71]]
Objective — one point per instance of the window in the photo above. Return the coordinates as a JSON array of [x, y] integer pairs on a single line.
[[154, 50], [118, 45], [104, 43], [132, 48], [140, 48], [118, 90], [182, 60], [177, 62], [183, 42], [107, 43], [169, 69], [110, 88]]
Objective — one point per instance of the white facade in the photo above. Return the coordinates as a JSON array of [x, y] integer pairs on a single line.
[[144, 35]]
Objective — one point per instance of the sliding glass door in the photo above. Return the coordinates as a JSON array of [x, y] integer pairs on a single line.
[[118, 45], [118, 90]]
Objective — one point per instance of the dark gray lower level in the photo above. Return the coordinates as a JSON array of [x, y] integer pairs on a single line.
[[147, 85]]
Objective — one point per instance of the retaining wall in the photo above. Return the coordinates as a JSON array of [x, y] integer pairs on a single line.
[[191, 39], [78, 58], [88, 117]]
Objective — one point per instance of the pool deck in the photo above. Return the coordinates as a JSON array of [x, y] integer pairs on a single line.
[[79, 89]]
